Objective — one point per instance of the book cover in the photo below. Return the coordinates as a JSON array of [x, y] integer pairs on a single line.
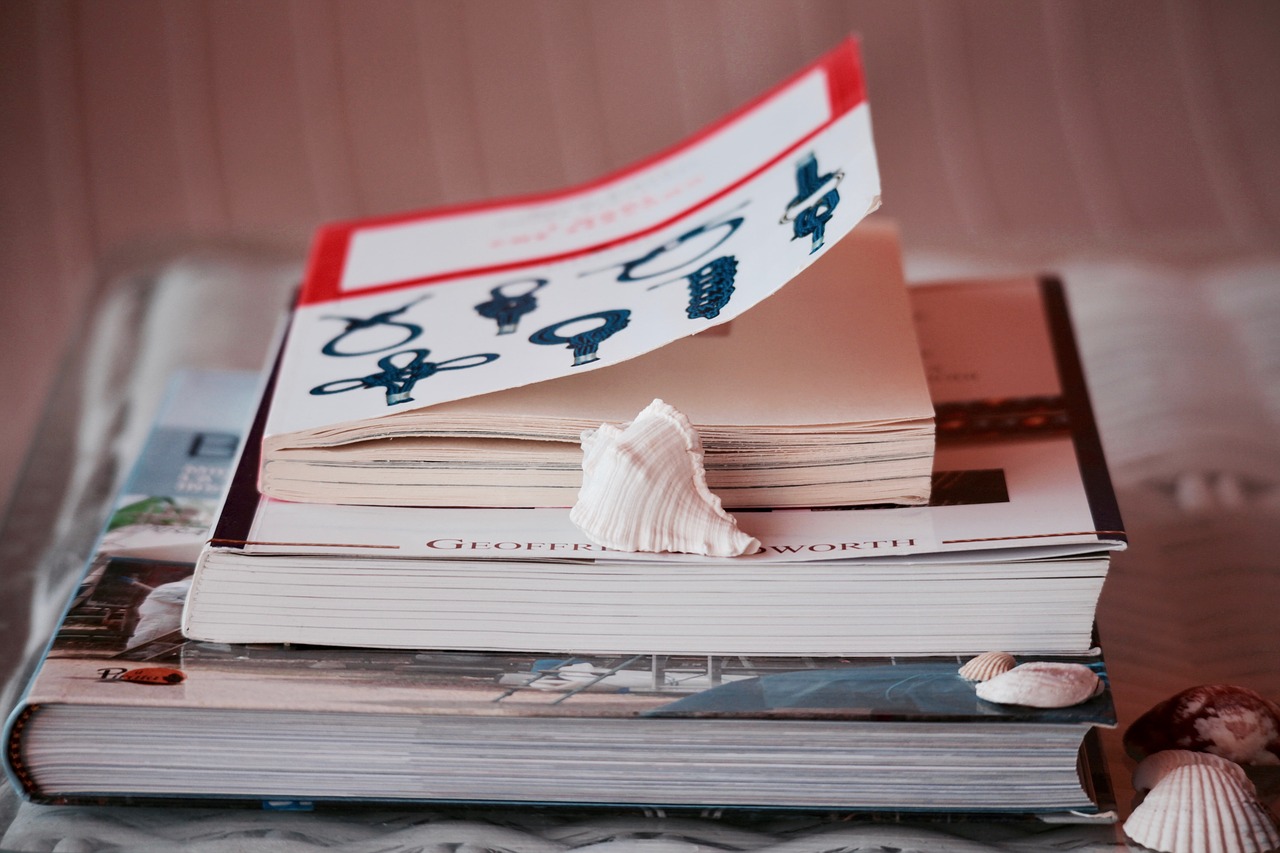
[[173, 493], [162, 516]]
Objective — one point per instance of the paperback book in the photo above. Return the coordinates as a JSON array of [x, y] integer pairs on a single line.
[[453, 357], [268, 723], [1011, 553]]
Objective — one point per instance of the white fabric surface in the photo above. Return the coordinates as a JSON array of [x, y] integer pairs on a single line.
[[1184, 369]]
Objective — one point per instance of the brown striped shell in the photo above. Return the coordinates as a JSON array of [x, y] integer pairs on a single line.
[[1156, 766], [154, 675], [1234, 722]]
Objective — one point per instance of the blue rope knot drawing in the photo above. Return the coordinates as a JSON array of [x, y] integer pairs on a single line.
[[355, 325], [398, 379], [812, 221], [585, 343], [711, 287], [507, 309], [631, 270]]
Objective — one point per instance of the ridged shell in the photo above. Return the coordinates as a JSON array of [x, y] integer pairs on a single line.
[[987, 666], [1042, 684], [1234, 722], [1155, 767], [1198, 808], [644, 489]]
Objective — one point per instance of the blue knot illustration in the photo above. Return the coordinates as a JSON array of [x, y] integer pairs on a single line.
[[355, 325], [711, 287], [398, 379], [812, 220], [585, 343], [507, 309]]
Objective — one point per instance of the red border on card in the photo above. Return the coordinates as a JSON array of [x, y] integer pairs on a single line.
[[846, 88]]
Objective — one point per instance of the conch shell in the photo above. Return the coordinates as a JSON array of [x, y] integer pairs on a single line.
[[1043, 684], [644, 489], [1234, 722], [1200, 808], [987, 666]]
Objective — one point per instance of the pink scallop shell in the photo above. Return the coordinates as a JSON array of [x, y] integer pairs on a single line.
[[1199, 808], [1158, 765], [987, 666], [1043, 684]]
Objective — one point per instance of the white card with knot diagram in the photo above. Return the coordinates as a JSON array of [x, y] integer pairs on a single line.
[[407, 311]]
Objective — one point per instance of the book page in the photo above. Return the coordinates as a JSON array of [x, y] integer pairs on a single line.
[[836, 346], [961, 366]]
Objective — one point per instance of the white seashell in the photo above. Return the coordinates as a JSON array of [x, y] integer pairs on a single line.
[[644, 489], [1199, 808], [1042, 684], [987, 666], [1156, 766]]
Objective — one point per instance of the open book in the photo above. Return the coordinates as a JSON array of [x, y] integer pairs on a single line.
[[1011, 553], [453, 358], [815, 397]]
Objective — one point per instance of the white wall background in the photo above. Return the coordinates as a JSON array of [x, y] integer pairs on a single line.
[[1028, 130]]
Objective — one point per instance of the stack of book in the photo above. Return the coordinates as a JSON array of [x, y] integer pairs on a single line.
[[395, 606]]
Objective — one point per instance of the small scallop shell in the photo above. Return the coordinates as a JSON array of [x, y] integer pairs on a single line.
[[644, 489], [1156, 766], [1234, 722], [1043, 684], [154, 675], [987, 666], [1198, 808]]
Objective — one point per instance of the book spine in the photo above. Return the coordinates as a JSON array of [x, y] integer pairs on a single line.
[[1084, 428], [15, 753], [240, 503]]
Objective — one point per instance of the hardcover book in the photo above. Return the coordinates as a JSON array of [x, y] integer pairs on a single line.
[[1011, 553], [453, 357], [312, 726]]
